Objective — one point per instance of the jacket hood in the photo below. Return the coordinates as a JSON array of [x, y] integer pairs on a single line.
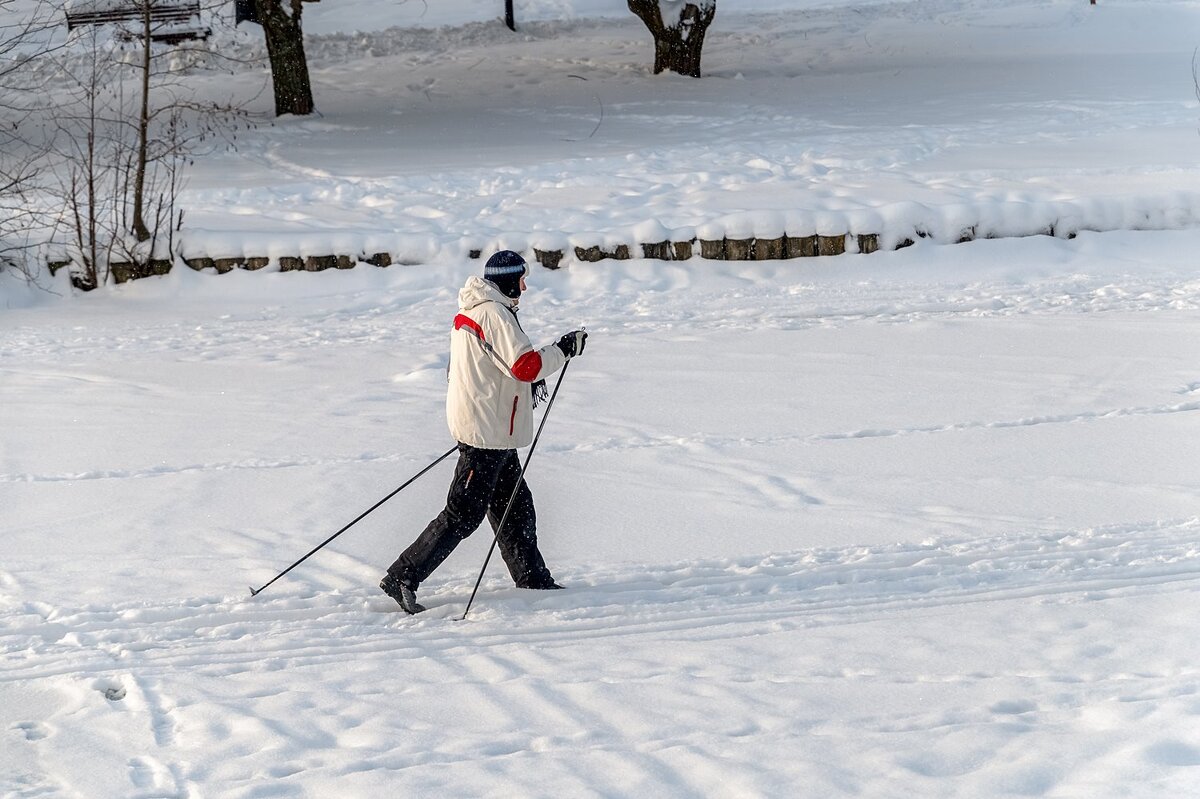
[[477, 291]]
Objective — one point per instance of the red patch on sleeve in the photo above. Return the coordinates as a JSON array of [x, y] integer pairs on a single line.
[[528, 366]]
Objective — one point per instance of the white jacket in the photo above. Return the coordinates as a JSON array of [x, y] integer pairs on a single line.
[[492, 364]]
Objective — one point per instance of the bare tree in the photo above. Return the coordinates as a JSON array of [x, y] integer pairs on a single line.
[[23, 40], [17, 218], [678, 28], [120, 145], [84, 173], [1196, 71]]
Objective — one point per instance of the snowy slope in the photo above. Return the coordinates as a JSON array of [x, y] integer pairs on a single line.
[[920, 523], [942, 119], [440, 131], [873, 531], [1049, 666]]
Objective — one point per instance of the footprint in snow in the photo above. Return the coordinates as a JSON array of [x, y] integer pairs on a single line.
[[33, 730], [112, 690], [1013, 707]]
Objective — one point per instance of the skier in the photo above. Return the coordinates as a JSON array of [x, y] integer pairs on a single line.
[[496, 379]]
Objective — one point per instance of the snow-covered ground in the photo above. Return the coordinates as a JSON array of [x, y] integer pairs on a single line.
[[919, 523]]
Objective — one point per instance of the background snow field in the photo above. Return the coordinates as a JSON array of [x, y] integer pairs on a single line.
[[920, 523]]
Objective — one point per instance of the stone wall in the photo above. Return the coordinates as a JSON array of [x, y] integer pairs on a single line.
[[725, 249]]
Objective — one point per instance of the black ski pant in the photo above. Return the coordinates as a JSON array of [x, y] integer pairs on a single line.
[[483, 482]]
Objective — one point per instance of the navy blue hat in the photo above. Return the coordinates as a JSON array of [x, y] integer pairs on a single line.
[[505, 269]]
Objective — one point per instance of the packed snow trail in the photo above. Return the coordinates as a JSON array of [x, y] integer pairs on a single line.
[[932, 554], [710, 598], [204, 674]]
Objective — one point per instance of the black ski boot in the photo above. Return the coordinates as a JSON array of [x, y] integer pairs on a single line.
[[404, 595], [547, 584]]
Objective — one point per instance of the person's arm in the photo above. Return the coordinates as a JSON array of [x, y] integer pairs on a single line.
[[512, 348]]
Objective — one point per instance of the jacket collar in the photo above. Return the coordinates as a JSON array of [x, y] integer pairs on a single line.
[[477, 291]]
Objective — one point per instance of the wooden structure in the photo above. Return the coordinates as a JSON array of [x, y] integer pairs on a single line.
[[171, 21]]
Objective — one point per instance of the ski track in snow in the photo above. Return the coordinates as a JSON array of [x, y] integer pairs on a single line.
[[629, 443], [709, 600], [728, 441], [179, 675]]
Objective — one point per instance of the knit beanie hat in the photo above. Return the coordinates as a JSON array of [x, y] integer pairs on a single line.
[[505, 269]]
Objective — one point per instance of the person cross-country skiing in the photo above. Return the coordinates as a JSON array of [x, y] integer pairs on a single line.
[[496, 379]]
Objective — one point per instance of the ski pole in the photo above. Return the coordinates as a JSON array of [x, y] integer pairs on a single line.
[[516, 488], [361, 516]]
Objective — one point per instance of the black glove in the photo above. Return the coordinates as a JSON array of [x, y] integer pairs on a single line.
[[573, 343], [540, 393]]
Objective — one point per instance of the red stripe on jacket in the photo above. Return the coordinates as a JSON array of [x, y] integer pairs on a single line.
[[462, 320]]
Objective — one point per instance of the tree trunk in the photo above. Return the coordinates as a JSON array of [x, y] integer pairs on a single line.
[[678, 43], [285, 48], [140, 231]]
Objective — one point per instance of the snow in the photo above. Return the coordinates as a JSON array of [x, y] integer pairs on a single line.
[[914, 523]]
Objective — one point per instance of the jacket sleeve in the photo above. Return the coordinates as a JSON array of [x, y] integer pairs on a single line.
[[513, 349]]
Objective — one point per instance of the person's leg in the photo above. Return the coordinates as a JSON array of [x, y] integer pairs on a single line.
[[518, 539], [466, 505]]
